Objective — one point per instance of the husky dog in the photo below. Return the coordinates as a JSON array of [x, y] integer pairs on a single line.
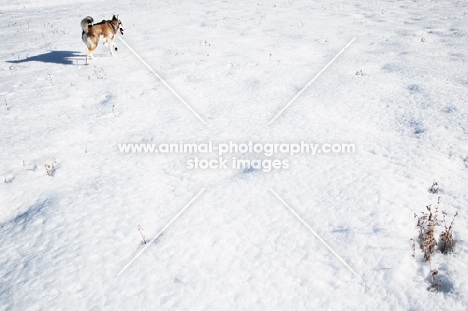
[[103, 31]]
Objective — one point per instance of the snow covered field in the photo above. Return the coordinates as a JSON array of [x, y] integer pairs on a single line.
[[398, 93]]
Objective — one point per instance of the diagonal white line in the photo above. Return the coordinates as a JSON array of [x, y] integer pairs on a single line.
[[311, 81], [315, 233], [160, 232], [162, 80]]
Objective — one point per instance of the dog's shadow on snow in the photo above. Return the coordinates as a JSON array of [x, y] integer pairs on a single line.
[[54, 57]]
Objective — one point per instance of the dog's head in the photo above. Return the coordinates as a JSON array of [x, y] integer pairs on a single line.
[[119, 23]]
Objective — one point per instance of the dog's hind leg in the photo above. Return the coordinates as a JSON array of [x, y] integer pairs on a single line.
[[91, 47], [89, 54]]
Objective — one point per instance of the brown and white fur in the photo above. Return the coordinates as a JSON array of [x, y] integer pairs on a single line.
[[104, 31]]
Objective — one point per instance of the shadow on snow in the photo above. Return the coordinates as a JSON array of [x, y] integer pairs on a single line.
[[54, 57]]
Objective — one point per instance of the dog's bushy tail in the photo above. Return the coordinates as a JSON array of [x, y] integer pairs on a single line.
[[86, 23]]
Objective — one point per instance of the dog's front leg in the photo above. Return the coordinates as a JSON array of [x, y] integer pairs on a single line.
[[114, 46], [110, 43]]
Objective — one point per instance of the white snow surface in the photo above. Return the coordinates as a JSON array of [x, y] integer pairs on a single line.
[[65, 237]]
